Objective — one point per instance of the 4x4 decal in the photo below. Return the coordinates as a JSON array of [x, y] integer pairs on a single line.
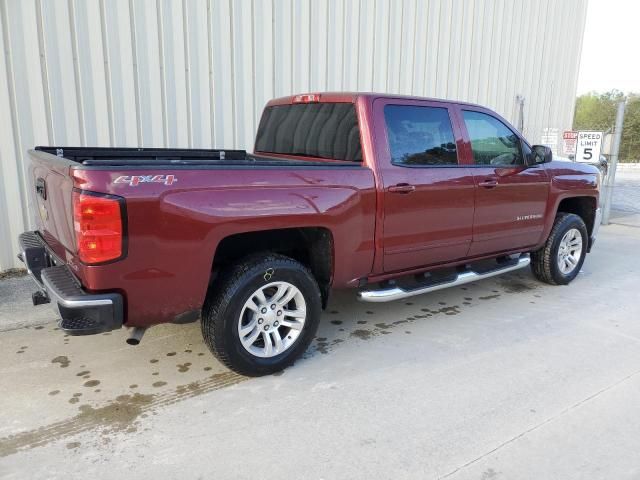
[[135, 180]]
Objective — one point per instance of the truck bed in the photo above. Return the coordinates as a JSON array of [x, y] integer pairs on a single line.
[[172, 230], [158, 157]]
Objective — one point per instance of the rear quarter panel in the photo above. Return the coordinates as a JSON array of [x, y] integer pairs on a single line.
[[173, 231]]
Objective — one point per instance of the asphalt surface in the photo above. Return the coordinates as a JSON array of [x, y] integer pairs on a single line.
[[504, 379]]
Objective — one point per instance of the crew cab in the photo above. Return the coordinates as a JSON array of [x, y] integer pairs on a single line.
[[391, 196]]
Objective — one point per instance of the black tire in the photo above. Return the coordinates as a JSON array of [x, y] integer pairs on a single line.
[[225, 301], [544, 262]]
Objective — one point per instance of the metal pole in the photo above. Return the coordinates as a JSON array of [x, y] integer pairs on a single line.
[[611, 177]]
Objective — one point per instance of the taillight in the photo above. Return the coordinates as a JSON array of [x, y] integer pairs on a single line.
[[98, 225]]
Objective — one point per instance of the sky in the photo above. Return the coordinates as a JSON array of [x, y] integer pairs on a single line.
[[610, 49]]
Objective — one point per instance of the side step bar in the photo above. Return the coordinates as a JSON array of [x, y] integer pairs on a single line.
[[467, 276]]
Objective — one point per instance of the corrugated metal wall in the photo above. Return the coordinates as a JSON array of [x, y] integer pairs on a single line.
[[196, 73]]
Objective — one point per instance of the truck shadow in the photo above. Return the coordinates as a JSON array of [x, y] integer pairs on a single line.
[[347, 319]]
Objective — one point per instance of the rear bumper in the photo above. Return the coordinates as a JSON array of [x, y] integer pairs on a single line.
[[81, 313]]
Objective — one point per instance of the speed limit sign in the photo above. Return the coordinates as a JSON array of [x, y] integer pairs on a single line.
[[589, 146]]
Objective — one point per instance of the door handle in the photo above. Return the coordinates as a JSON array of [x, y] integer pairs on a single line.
[[402, 188], [488, 183]]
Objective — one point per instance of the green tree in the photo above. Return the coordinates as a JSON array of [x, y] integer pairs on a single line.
[[597, 111], [630, 147]]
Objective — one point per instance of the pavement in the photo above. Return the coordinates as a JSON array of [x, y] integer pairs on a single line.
[[15, 298], [506, 378], [626, 197]]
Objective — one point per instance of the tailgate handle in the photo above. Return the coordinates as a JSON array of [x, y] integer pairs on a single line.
[[41, 188]]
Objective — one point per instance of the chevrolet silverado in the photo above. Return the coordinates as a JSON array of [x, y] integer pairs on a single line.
[[392, 196]]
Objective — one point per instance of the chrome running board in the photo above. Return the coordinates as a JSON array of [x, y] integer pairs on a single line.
[[396, 293]]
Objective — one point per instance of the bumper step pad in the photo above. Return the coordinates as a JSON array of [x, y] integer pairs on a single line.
[[33, 254], [82, 313], [81, 325]]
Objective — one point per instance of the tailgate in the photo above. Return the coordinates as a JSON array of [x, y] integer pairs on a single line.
[[51, 200]]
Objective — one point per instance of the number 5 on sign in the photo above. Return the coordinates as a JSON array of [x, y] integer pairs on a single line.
[[589, 146]]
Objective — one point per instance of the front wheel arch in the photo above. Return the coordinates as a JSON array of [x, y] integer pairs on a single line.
[[583, 206]]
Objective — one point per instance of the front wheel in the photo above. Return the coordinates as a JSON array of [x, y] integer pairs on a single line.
[[262, 315], [559, 261]]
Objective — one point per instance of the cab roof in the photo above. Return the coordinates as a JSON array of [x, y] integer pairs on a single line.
[[352, 97]]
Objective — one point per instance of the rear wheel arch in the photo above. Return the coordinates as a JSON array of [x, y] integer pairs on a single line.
[[262, 315], [313, 247]]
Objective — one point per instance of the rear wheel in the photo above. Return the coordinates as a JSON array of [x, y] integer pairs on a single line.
[[262, 315], [562, 256]]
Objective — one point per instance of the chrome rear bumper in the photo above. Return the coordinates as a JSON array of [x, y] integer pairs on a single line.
[[81, 313]]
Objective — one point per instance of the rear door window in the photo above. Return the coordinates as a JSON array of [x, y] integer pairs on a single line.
[[492, 142], [321, 130], [420, 136]]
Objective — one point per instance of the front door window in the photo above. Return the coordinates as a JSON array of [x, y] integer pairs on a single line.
[[492, 142]]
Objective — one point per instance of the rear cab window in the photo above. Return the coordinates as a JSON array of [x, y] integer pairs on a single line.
[[317, 130], [420, 136]]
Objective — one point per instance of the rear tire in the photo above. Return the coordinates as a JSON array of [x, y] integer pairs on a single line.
[[262, 314], [559, 261]]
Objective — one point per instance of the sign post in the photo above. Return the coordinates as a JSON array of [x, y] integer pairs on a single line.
[[569, 142], [611, 177], [589, 147]]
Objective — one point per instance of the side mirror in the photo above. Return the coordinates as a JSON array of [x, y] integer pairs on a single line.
[[540, 154]]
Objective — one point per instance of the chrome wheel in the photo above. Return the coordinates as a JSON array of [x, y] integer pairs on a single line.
[[570, 251], [272, 319]]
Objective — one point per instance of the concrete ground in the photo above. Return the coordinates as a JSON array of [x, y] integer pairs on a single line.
[[626, 197], [504, 379]]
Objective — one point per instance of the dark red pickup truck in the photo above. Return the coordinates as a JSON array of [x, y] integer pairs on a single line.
[[393, 196]]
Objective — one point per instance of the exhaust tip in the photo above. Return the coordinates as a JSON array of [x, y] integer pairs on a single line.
[[136, 336]]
